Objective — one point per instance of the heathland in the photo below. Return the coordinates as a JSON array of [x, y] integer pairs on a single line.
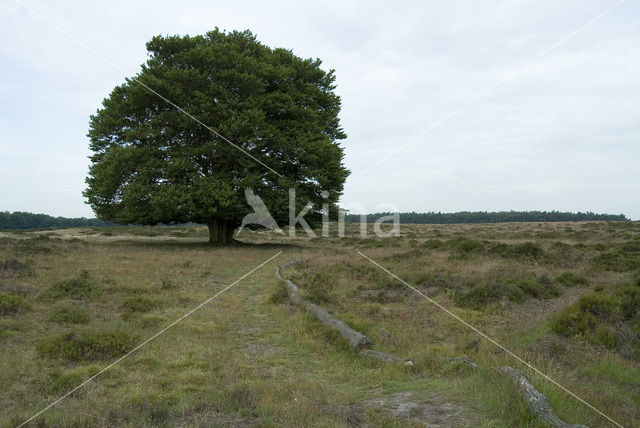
[[565, 297]]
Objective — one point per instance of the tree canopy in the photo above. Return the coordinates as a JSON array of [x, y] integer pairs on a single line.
[[153, 163]]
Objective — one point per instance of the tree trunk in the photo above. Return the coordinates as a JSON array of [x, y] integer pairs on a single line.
[[221, 232]]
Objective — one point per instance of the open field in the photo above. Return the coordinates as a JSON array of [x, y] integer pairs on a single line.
[[563, 296]]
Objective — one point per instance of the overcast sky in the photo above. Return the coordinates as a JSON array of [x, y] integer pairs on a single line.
[[553, 122]]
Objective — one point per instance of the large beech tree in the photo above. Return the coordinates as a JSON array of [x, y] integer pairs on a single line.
[[153, 164]]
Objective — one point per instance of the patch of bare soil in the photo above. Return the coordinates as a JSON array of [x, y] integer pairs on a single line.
[[431, 411]]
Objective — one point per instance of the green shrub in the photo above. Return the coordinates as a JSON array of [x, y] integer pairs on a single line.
[[481, 295], [527, 250], [319, 295], [617, 261], [281, 295], [604, 318], [138, 304], [570, 279], [87, 345], [465, 245], [433, 244], [600, 305], [69, 314], [541, 288], [76, 288], [572, 322], [630, 247], [515, 289], [630, 302], [11, 268], [32, 246], [10, 304], [636, 279]]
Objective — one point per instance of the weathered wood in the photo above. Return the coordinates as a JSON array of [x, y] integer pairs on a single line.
[[536, 401], [356, 340]]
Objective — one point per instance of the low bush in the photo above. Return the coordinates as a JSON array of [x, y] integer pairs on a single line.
[[281, 295], [570, 279], [513, 288], [609, 318], [319, 295], [138, 304], [79, 287], [86, 345], [617, 261], [11, 268], [630, 247], [464, 246], [69, 314], [10, 304], [433, 244], [527, 250], [40, 244], [481, 295]]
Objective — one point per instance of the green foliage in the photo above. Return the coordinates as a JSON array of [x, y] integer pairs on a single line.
[[79, 287], [513, 288], [630, 247], [152, 164], [10, 304], [570, 279], [86, 345], [610, 318], [617, 261], [69, 314], [40, 244], [466, 245], [319, 295], [434, 244], [138, 304], [527, 249], [281, 295], [10, 268]]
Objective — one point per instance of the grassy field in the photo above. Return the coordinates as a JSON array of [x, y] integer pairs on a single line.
[[563, 296]]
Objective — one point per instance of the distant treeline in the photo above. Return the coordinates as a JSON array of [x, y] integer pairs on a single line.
[[23, 220], [491, 217]]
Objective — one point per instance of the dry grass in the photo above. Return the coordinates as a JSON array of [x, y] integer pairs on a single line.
[[246, 358]]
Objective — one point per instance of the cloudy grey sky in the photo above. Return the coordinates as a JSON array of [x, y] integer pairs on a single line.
[[562, 132]]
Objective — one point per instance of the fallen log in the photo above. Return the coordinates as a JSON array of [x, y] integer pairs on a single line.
[[536, 401], [356, 340]]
